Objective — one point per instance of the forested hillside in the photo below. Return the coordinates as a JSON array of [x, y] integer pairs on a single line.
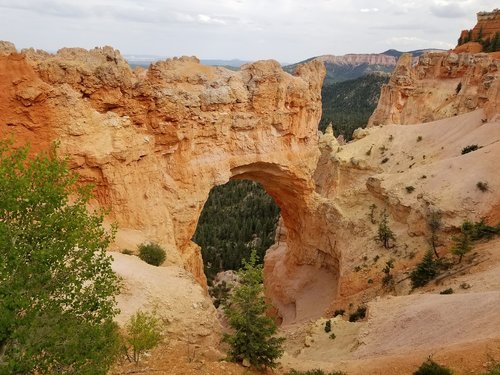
[[237, 217], [349, 104]]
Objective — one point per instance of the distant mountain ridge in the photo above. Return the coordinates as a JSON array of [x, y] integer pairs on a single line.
[[352, 65], [146, 60]]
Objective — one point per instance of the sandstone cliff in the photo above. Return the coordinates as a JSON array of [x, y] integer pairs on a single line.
[[154, 142], [439, 85], [486, 28]]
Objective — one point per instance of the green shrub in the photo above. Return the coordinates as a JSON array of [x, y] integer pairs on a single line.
[[469, 148], [359, 314], [447, 291], [142, 333], [328, 326], [314, 372], [425, 271], [127, 252], [152, 253], [480, 230], [430, 367], [332, 336], [384, 160]]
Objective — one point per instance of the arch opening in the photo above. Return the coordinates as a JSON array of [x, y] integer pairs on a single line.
[[237, 217], [300, 274]]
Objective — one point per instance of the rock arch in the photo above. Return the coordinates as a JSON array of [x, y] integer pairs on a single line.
[[155, 141]]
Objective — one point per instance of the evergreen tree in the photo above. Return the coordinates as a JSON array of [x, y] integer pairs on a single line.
[[434, 223], [425, 271], [462, 242], [253, 339], [385, 234]]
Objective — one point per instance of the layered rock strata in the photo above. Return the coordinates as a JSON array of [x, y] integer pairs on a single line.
[[439, 85]]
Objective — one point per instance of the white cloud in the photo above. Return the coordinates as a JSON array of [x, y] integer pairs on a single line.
[[288, 30], [203, 18]]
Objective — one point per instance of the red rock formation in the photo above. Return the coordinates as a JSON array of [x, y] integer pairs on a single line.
[[440, 85], [155, 142], [488, 24]]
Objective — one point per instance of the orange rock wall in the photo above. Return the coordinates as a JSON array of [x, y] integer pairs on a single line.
[[154, 142], [439, 85]]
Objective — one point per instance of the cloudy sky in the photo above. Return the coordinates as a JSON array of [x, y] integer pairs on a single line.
[[286, 30]]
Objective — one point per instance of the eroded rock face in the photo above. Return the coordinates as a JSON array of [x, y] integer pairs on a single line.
[[154, 142], [440, 85], [488, 24]]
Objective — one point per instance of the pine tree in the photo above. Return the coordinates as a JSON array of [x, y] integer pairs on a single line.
[[434, 223], [385, 234], [462, 243], [425, 271], [253, 338]]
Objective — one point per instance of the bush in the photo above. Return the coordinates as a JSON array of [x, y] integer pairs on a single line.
[[57, 288], [419, 138], [142, 334], [127, 252], [410, 189], [469, 148], [425, 271], [328, 326], [253, 338], [430, 367], [447, 291], [314, 372], [359, 314], [152, 254], [483, 186], [479, 230], [339, 312]]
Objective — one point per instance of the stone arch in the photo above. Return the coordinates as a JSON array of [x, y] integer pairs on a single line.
[[154, 142]]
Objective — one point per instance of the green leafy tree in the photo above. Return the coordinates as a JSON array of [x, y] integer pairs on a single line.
[[253, 339], [57, 287], [385, 234], [142, 333]]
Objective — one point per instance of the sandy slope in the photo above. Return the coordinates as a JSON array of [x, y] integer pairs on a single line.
[[461, 330]]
